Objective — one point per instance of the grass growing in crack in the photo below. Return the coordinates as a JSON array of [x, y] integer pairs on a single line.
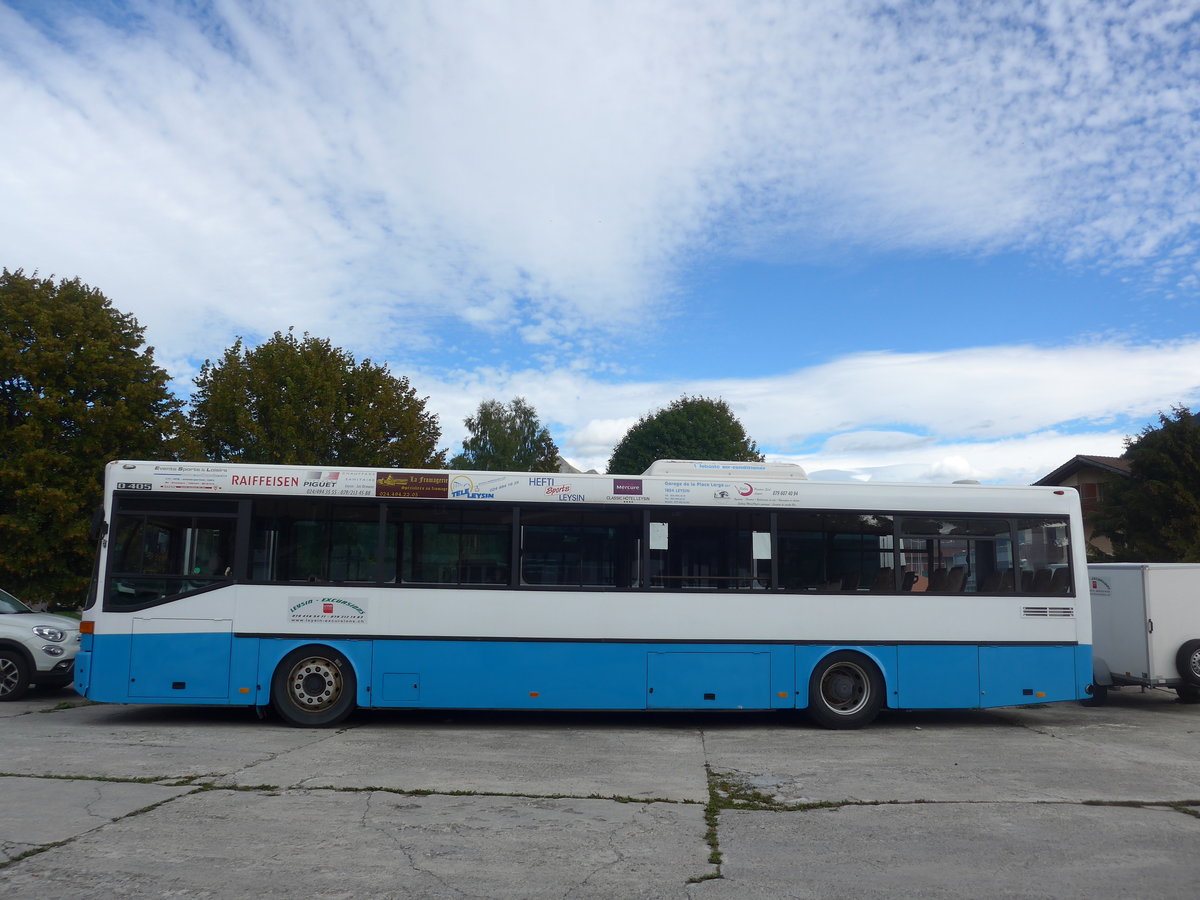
[[33, 851], [731, 793], [726, 792], [248, 788], [712, 837], [150, 806], [67, 704], [430, 792], [145, 779], [1187, 807]]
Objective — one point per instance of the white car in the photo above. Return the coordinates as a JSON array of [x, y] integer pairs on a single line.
[[35, 648]]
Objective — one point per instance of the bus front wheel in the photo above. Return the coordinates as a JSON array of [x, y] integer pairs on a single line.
[[845, 691], [313, 687]]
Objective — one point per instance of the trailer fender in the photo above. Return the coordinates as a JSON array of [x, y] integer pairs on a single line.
[[1101, 674]]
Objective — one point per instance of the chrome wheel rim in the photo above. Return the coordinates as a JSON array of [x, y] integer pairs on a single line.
[[845, 688], [315, 684]]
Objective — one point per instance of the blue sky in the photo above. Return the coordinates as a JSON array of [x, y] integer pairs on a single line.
[[905, 241]]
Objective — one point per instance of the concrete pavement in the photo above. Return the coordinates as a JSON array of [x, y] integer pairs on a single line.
[[1054, 801]]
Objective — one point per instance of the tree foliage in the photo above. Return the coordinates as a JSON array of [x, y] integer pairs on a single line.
[[304, 401], [77, 389], [689, 428], [1154, 515], [507, 438]]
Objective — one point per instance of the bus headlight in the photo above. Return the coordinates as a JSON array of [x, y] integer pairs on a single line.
[[49, 632]]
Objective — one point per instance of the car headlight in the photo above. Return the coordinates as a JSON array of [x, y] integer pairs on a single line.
[[49, 633]]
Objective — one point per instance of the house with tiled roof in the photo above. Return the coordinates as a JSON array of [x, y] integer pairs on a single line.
[[1089, 475]]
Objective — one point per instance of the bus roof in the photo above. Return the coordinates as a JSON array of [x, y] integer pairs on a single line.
[[699, 487]]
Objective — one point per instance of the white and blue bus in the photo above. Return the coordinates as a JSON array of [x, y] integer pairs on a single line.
[[694, 586]]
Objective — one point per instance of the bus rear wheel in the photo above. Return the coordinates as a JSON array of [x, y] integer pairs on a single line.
[[845, 691], [313, 687]]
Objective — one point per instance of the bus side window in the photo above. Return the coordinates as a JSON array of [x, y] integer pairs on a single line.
[[957, 555], [708, 549], [836, 552], [314, 541], [573, 548], [459, 544], [1044, 554]]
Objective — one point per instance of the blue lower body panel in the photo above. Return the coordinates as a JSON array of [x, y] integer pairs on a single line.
[[220, 668]]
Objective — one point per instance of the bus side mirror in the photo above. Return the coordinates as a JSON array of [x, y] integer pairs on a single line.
[[99, 527]]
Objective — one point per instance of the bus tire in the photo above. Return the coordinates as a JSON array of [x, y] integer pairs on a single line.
[[313, 687], [1187, 661], [845, 690]]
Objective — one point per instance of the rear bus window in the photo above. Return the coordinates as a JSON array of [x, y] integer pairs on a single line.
[[1044, 553]]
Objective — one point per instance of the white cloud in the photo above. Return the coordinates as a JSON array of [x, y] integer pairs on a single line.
[[996, 414], [378, 173], [452, 186], [1021, 459]]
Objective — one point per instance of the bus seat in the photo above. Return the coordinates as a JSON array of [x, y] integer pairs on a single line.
[[937, 580], [884, 580], [1041, 581], [991, 582], [1060, 583], [956, 580]]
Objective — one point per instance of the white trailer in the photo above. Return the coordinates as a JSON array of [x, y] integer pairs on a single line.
[[1146, 627]]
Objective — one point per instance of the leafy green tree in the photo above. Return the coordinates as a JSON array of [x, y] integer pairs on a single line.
[[304, 401], [507, 438], [689, 428], [77, 389], [1154, 515]]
